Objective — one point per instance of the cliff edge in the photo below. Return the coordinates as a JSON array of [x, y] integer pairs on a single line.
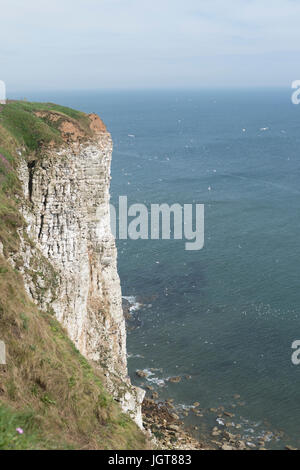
[[57, 250]]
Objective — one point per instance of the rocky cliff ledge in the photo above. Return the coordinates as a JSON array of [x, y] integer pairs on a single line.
[[67, 254]]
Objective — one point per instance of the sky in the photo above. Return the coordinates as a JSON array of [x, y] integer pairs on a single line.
[[130, 44]]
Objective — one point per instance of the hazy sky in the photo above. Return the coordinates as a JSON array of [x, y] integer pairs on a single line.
[[59, 44]]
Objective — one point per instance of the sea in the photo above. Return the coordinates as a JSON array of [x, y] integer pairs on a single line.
[[222, 319]]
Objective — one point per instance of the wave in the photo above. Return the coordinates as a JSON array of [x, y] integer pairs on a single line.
[[134, 304]]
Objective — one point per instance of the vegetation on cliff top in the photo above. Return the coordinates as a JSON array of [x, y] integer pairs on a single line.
[[33, 124], [51, 397]]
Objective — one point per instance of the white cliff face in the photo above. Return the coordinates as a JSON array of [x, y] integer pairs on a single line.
[[67, 212]]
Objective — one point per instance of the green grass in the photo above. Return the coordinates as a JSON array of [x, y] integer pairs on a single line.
[[10, 190], [26, 127], [20, 120], [20, 431], [81, 118], [10, 423]]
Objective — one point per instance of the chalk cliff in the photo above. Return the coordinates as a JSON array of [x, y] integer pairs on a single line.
[[62, 329], [66, 208]]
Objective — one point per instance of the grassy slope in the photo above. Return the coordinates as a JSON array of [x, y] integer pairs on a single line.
[[47, 388]]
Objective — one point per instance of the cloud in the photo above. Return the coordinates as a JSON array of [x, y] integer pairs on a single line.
[[137, 43]]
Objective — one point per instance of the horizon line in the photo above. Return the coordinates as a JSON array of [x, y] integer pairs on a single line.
[[149, 89]]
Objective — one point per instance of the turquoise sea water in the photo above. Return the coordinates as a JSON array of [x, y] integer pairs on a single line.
[[228, 314]]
